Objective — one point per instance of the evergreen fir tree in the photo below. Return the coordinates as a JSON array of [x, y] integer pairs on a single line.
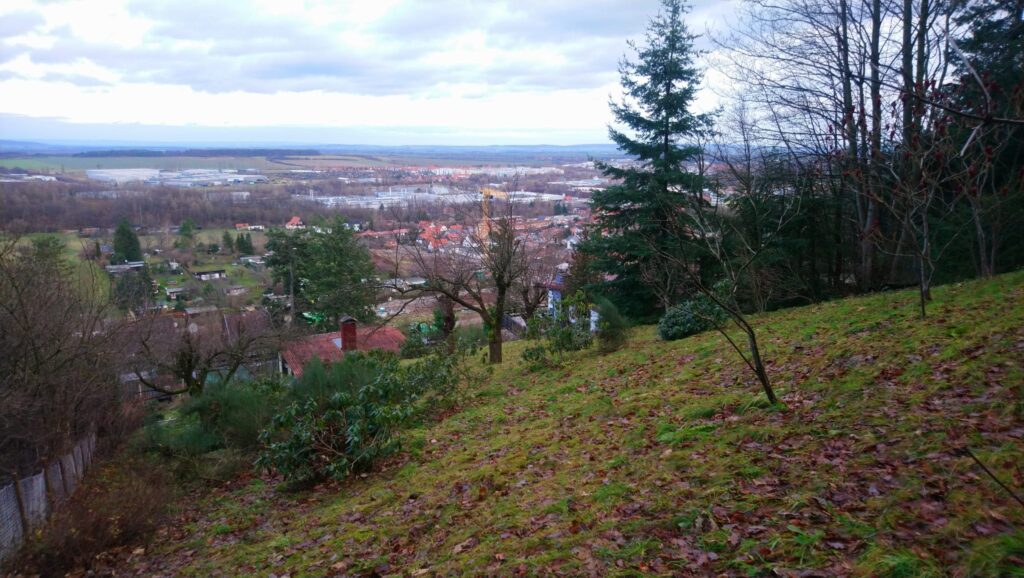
[[227, 243], [631, 217], [243, 243], [126, 244]]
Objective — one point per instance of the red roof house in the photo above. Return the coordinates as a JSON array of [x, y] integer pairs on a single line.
[[331, 347]]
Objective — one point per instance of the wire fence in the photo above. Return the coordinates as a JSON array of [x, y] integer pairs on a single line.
[[26, 503]]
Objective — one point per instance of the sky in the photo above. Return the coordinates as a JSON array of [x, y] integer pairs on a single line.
[[386, 72]]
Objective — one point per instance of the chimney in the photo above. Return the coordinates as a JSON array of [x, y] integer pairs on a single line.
[[348, 333]]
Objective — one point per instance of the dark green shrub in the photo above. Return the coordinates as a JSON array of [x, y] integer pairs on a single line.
[[690, 318], [236, 413], [344, 417], [179, 436], [420, 340], [213, 436], [536, 356], [570, 328], [537, 325], [611, 326], [471, 336], [567, 330]]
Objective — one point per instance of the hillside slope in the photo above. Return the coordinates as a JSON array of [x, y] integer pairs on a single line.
[[663, 459]]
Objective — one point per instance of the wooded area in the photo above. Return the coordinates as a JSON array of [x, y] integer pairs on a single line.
[[863, 145]]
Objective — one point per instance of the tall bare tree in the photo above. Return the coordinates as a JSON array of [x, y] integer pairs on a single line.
[[178, 353], [481, 271], [58, 356]]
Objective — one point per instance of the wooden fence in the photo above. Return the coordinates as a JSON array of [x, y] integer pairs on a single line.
[[25, 504]]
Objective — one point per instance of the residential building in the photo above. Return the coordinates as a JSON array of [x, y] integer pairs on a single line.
[[332, 347]]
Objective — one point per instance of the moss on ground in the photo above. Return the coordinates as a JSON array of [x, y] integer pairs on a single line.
[[665, 459]]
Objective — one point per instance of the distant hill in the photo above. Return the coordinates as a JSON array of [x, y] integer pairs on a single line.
[[29, 147], [210, 152]]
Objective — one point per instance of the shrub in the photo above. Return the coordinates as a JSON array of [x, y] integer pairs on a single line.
[[236, 413], [611, 326], [690, 318], [414, 346], [570, 328], [344, 417], [120, 503], [420, 340], [566, 331], [537, 325], [213, 436], [471, 337], [536, 356]]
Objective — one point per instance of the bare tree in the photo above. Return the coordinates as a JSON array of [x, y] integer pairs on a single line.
[[58, 356], [175, 353], [530, 290], [710, 224], [479, 271]]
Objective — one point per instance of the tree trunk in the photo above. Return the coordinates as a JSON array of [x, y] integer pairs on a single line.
[[981, 238], [448, 322], [494, 344], [494, 339], [871, 220], [925, 264], [762, 375], [854, 163], [909, 129]]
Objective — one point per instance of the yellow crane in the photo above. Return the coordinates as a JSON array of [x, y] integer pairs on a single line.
[[487, 193]]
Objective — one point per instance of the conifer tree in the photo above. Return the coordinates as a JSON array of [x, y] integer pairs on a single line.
[[227, 243], [659, 130], [126, 244]]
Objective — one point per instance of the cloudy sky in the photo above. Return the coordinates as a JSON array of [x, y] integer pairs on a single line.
[[340, 71]]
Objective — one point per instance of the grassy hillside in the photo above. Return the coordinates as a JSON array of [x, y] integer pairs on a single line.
[[663, 459]]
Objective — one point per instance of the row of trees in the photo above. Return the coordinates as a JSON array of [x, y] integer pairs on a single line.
[[866, 144], [49, 207]]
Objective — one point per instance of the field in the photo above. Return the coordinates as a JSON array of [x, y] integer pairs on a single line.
[[664, 459], [59, 164]]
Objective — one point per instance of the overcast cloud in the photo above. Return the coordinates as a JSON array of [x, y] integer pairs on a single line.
[[538, 69]]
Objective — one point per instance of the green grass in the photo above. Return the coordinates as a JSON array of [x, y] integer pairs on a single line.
[[665, 459]]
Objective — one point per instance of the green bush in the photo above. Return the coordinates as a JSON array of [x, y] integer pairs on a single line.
[[420, 340], [178, 436], [471, 336], [570, 328], [566, 331], [690, 318], [536, 356], [537, 325], [344, 417], [213, 436], [236, 413], [611, 326]]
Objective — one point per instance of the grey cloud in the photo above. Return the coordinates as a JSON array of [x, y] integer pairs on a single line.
[[18, 23], [255, 52], [76, 79]]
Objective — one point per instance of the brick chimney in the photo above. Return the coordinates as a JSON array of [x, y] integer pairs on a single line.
[[348, 333]]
